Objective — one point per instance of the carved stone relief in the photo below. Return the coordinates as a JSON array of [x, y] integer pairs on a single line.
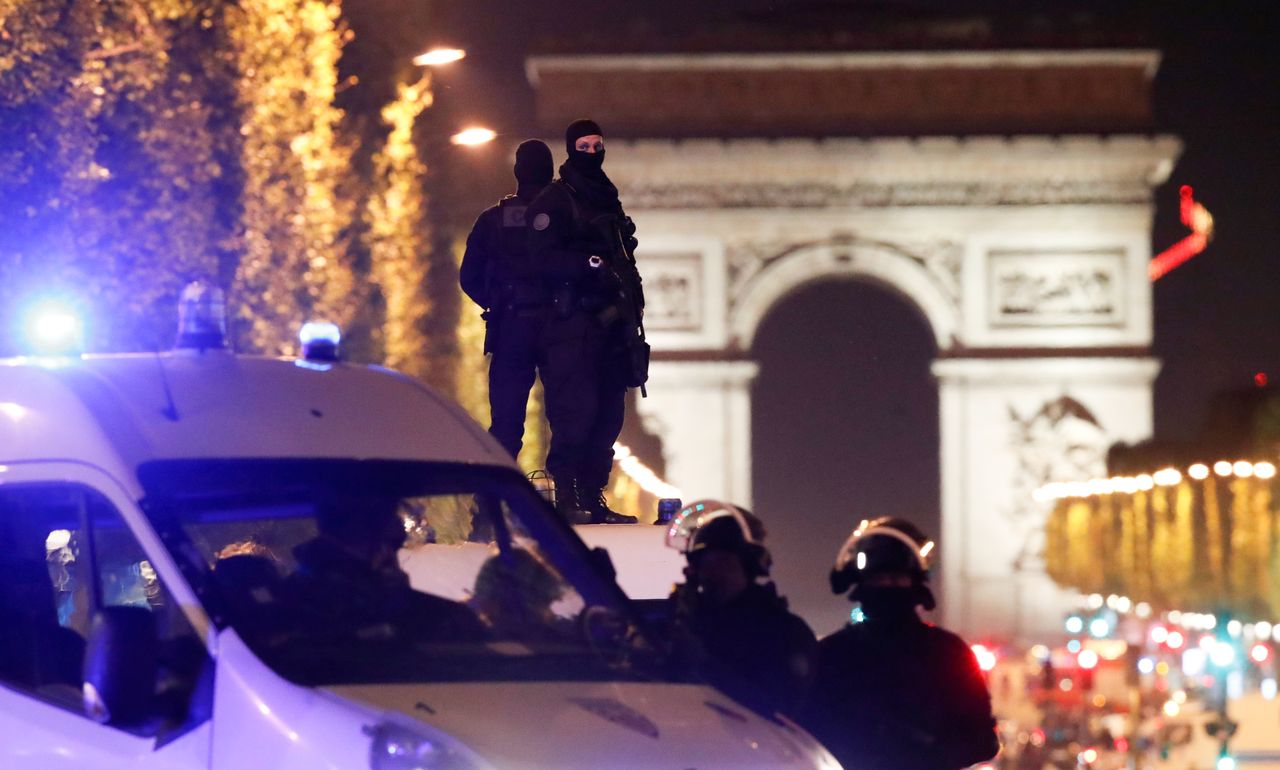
[[673, 288], [1056, 288], [1062, 440]]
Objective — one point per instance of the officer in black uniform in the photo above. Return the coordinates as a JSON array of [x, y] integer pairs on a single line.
[[729, 622], [893, 692], [582, 243], [498, 275]]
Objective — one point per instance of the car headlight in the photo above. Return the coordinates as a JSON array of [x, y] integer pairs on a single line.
[[401, 748]]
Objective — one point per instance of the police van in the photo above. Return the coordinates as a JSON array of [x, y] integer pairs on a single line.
[[202, 565]]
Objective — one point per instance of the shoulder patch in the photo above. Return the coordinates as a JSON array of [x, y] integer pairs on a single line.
[[542, 221]]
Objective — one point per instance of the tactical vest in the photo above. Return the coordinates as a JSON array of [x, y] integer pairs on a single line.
[[513, 242]]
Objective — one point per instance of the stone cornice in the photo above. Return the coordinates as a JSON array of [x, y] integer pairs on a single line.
[[890, 172], [1147, 60]]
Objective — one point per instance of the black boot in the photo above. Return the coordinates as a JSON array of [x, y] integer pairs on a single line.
[[569, 503], [602, 514]]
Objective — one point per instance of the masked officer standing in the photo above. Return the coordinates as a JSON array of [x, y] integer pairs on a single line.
[[583, 244], [893, 692], [728, 621], [498, 275]]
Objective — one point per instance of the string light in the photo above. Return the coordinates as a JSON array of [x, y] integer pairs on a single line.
[[1165, 477]]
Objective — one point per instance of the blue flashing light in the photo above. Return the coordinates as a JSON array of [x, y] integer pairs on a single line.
[[320, 340], [53, 328]]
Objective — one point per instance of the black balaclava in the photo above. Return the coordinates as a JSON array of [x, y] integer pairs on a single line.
[[587, 162], [534, 165], [584, 170]]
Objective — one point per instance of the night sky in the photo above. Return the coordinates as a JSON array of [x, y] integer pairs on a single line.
[[845, 411]]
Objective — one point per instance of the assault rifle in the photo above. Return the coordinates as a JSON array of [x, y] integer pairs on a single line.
[[628, 305]]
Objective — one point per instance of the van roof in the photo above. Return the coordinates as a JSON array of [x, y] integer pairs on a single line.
[[119, 411]]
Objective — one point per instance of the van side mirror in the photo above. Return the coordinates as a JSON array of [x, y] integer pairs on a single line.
[[120, 666]]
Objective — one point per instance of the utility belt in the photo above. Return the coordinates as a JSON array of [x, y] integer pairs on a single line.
[[523, 296]]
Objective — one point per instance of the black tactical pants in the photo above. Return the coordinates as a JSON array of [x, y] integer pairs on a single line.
[[517, 348], [585, 397]]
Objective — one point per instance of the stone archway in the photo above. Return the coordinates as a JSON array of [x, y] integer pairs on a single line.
[[927, 281], [1034, 292]]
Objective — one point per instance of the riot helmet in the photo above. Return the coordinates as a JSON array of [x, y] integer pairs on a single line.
[[708, 525], [885, 546]]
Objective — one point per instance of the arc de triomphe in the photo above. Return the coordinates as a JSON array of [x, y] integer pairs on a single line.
[[1023, 240]]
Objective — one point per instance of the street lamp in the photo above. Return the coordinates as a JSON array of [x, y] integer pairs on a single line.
[[438, 56], [472, 136]]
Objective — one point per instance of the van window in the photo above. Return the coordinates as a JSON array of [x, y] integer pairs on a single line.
[[355, 572], [64, 552]]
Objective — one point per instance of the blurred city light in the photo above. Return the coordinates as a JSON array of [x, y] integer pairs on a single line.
[[1074, 624], [1099, 627], [1159, 634], [1088, 659], [1260, 653], [1199, 471], [476, 135], [1223, 654], [1175, 640], [986, 657], [438, 56], [1146, 665]]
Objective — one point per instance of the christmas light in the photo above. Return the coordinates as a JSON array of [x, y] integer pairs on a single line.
[[1165, 477]]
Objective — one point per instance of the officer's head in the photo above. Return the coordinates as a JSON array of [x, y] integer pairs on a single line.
[[533, 163], [884, 566], [584, 142], [724, 547], [367, 526]]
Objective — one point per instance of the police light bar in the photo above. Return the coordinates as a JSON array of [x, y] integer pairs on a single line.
[[320, 340], [202, 318]]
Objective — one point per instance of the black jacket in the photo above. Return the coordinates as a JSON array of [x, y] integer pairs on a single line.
[[752, 648], [497, 250], [901, 695]]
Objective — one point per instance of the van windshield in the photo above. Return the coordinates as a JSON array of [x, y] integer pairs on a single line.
[[354, 572]]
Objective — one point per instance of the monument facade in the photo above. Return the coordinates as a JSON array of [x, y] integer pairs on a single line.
[[1006, 196]]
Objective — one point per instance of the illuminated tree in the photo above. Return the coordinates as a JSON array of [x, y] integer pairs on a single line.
[[1203, 546], [108, 172], [396, 234], [298, 199]]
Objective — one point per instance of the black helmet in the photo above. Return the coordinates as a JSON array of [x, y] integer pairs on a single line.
[[884, 545], [708, 525]]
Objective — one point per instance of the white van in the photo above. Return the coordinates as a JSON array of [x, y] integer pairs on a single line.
[[194, 573]]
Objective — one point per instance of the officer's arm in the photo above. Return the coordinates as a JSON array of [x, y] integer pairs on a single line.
[[550, 228], [970, 736], [475, 263]]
